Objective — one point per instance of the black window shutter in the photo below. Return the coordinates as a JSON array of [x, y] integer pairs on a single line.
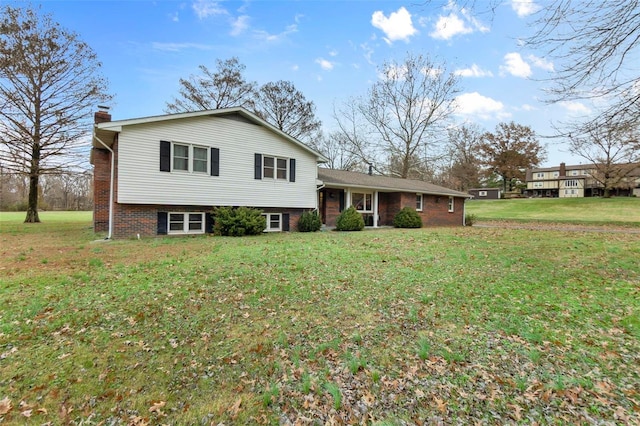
[[292, 170], [258, 166], [165, 156], [215, 161], [208, 223], [285, 221], [341, 200], [162, 223]]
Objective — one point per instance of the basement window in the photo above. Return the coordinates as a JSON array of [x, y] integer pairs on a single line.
[[186, 223]]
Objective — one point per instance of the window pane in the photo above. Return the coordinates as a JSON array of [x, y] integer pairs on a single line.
[[357, 200], [195, 222], [268, 167], [199, 153], [419, 201], [367, 205], [282, 168], [176, 222], [180, 157], [274, 221]]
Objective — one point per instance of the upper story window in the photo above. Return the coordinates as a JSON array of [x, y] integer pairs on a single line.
[[540, 175], [556, 174], [182, 157], [362, 201], [451, 204], [574, 173], [275, 168], [419, 202], [571, 183]]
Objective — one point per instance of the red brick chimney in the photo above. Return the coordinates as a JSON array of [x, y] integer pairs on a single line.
[[102, 115], [563, 170]]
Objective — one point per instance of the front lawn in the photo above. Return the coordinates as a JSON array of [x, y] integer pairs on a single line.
[[454, 325], [596, 211]]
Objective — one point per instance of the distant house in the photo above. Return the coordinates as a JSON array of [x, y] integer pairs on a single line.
[[578, 181], [379, 198], [486, 193], [163, 175]]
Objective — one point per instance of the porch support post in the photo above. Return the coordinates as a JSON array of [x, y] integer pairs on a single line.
[[375, 209], [347, 198]]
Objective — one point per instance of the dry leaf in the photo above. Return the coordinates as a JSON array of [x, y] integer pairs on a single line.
[[233, 411], [5, 405], [157, 406], [27, 413]]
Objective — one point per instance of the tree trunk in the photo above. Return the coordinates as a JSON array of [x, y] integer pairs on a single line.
[[32, 207]]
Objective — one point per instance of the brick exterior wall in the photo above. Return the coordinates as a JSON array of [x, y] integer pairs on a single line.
[[435, 210], [101, 178]]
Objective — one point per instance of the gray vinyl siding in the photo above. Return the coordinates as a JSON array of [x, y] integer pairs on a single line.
[[140, 180]]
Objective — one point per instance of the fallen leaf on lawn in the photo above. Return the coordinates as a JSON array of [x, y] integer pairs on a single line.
[[368, 398], [157, 406], [233, 411], [442, 406], [27, 413], [43, 411], [5, 405]]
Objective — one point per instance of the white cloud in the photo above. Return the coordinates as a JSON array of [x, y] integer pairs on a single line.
[[515, 65], [206, 8], [458, 22], [295, 67], [274, 38], [474, 71], [524, 7], [333, 52], [397, 26], [175, 17], [541, 63], [527, 107], [480, 106], [324, 64], [575, 108], [449, 26], [239, 25], [177, 47]]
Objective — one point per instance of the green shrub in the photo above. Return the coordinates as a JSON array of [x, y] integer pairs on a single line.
[[407, 218], [236, 222], [350, 220], [470, 219], [309, 222]]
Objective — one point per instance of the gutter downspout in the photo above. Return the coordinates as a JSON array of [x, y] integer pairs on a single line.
[[464, 212], [110, 186]]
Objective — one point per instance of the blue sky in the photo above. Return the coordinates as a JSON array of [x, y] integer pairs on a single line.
[[330, 50]]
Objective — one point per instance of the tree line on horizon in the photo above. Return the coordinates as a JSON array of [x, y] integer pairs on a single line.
[[403, 126]]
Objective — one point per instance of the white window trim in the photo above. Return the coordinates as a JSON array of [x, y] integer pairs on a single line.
[[365, 201], [275, 168], [190, 158], [451, 205], [419, 209], [482, 193], [268, 225], [185, 221]]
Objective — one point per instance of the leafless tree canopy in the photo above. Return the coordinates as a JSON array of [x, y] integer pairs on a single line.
[[282, 105], [509, 151], [613, 150], [397, 125], [224, 88], [49, 86], [462, 171], [595, 46]]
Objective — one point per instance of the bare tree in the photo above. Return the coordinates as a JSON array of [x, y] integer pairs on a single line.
[[595, 46], [509, 151], [612, 150], [282, 105], [339, 151], [407, 110], [463, 168], [49, 85], [223, 88]]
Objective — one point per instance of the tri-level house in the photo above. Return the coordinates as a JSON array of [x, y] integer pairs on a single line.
[[579, 181], [164, 174]]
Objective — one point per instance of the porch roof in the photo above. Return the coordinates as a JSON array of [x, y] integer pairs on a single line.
[[343, 179]]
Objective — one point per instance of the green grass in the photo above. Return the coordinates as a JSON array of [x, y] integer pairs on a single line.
[[597, 211], [472, 325]]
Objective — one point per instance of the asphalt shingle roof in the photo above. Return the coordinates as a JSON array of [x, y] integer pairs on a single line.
[[333, 177]]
